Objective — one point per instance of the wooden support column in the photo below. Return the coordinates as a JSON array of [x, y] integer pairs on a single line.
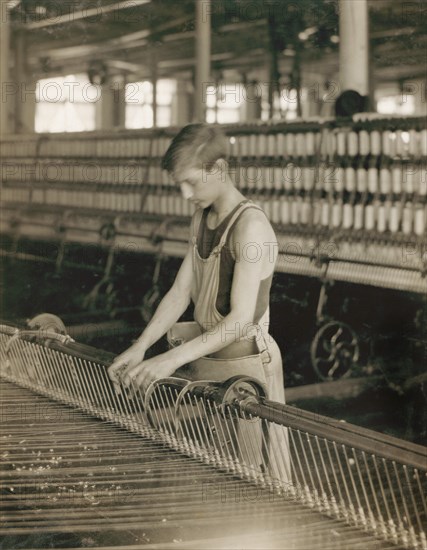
[[25, 99], [110, 108], [154, 82], [119, 91], [252, 101], [27, 116], [354, 46], [8, 88], [203, 57], [181, 104]]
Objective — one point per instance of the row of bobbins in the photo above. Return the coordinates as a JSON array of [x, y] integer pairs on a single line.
[[357, 212], [331, 143], [87, 146], [323, 141], [383, 177], [127, 200], [394, 217], [396, 177]]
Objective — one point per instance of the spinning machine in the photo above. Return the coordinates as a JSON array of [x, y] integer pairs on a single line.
[[189, 464], [347, 199]]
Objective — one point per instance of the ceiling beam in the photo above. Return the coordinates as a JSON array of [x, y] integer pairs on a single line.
[[83, 14], [123, 65], [126, 41], [391, 33], [402, 71], [133, 40]]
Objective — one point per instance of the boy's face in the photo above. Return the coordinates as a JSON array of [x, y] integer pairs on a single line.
[[199, 186]]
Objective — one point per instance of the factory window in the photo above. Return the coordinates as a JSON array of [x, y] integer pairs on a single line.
[[287, 105], [65, 104], [139, 103], [396, 105], [224, 102]]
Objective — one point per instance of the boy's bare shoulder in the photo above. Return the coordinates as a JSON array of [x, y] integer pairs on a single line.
[[254, 222]]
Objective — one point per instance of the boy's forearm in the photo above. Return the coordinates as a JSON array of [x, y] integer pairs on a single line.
[[167, 314]]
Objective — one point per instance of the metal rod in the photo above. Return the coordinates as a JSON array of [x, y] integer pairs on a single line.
[[414, 505], [393, 496], [297, 454], [317, 471], [314, 490], [384, 498], [402, 498], [362, 484], [353, 484], [349, 503]]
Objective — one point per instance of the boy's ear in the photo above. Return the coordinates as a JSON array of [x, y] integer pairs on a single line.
[[222, 165]]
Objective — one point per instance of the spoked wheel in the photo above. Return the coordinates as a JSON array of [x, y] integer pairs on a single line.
[[334, 351]]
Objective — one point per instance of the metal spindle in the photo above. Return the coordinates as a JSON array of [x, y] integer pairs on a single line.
[[312, 495], [330, 501], [393, 497], [102, 389], [189, 428], [226, 443], [324, 498], [362, 484], [390, 523], [403, 501], [348, 506], [305, 493], [360, 515], [414, 505]]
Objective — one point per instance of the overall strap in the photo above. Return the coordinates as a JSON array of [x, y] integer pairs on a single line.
[[233, 219], [198, 216], [256, 332], [195, 225]]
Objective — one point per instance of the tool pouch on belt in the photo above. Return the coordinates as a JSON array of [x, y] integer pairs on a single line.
[[218, 369]]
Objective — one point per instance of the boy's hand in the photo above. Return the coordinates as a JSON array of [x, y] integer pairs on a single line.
[[143, 374], [123, 363]]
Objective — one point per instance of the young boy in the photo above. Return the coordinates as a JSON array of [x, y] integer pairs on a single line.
[[227, 273]]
